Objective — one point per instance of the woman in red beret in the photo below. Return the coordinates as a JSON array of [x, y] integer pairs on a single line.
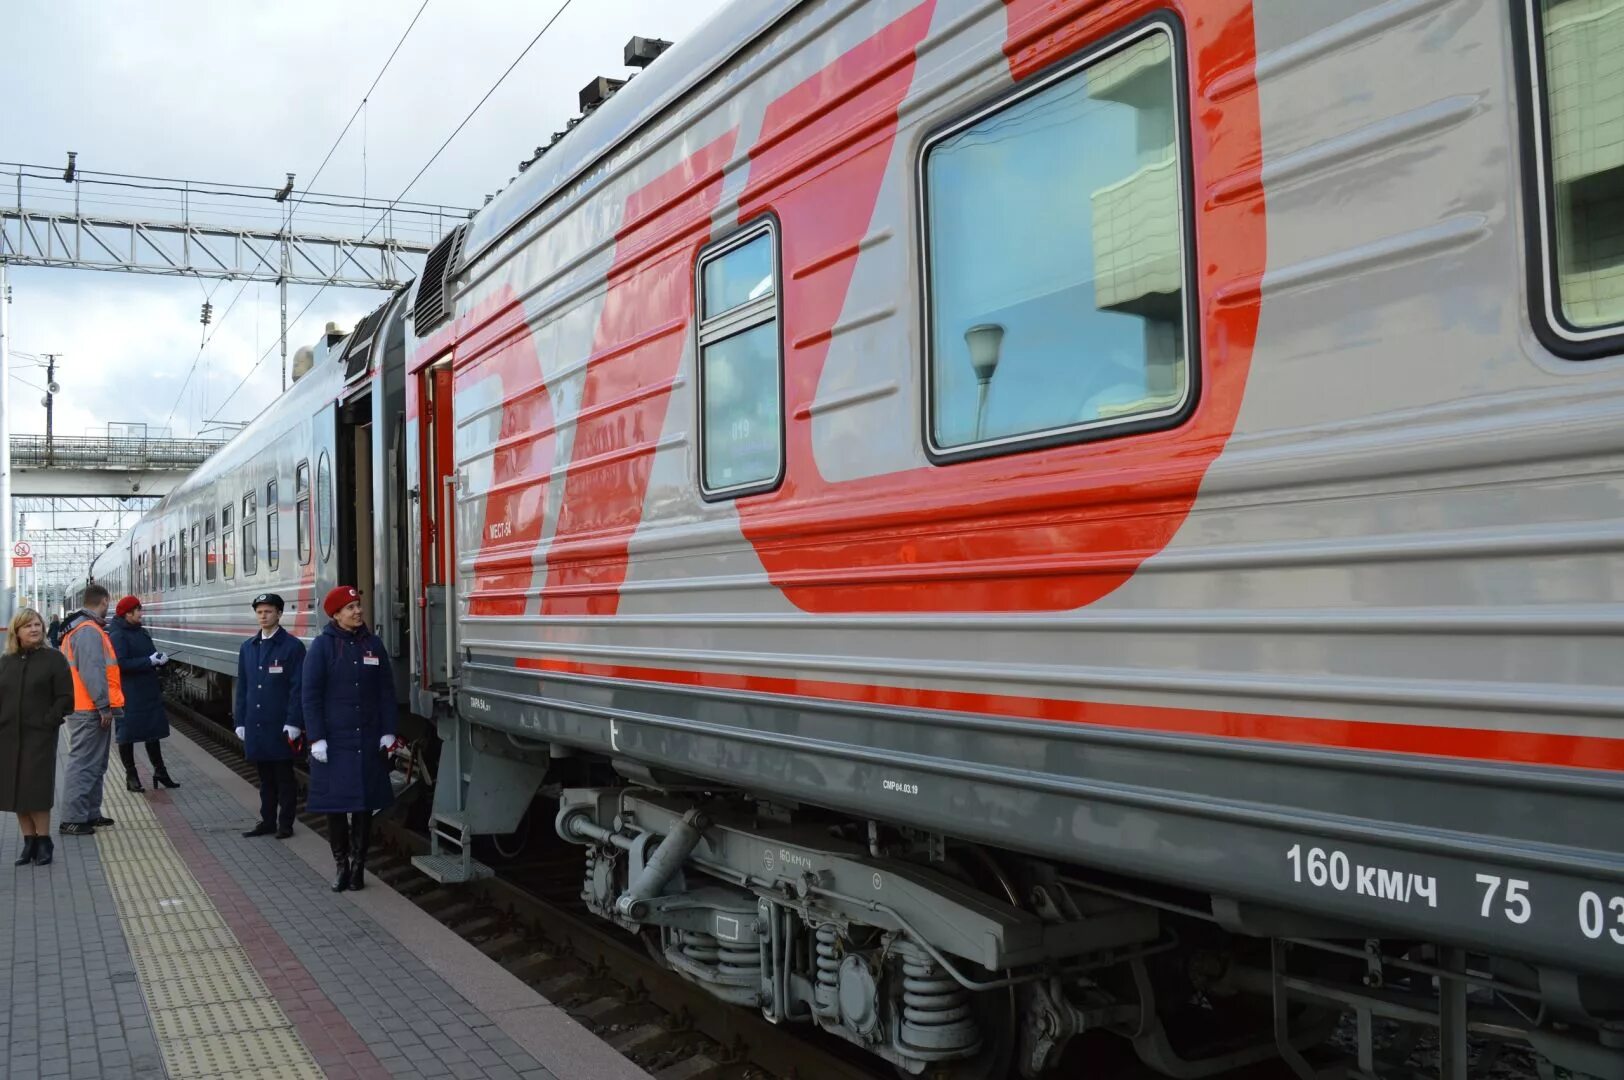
[[144, 718], [348, 695]]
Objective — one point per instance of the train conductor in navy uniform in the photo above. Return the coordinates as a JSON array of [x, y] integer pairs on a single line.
[[269, 714], [350, 715]]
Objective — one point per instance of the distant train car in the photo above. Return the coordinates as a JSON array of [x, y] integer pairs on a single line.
[[996, 521]]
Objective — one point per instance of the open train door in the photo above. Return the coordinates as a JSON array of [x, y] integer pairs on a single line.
[[437, 504]]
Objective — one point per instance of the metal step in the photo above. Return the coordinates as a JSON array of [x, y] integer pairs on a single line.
[[451, 869]]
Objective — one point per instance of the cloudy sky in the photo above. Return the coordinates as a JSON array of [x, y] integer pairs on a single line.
[[245, 93]]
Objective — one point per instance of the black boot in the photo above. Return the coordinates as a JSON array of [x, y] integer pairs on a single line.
[[30, 846], [160, 774], [45, 852], [338, 838], [132, 779], [362, 833]]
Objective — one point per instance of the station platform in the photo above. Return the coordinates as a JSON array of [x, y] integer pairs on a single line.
[[167, 945]]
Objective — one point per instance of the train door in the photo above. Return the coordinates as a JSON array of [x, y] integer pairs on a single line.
[[355, 504], [437, 506]]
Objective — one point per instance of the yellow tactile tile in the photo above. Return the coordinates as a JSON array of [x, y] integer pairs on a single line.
[[240, 1051], [213, 1015], [217, 1018]]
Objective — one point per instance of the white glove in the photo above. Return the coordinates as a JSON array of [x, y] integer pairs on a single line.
[[242, 733], [291, 732], [318, 751], [163, 658], [156, 659], [386, 742]]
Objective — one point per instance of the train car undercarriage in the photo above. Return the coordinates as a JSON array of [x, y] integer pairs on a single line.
[[952, 960]]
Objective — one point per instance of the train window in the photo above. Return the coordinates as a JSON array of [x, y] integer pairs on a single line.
[[183, 564], [250, 539], [1056, 292], [324, 506], [273, 531], [301, 510], [741, 446], [210, 552], [228, 544], [155, 567], [197, 557], [1578, 127]]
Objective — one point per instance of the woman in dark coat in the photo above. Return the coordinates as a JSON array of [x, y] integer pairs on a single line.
[[348, 696], [36, 695], [144, 718]]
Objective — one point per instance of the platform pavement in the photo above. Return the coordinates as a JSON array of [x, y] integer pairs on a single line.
[[170, 946]]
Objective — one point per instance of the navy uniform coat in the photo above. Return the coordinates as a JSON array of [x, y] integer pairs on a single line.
[[144, 718], [349, 699], [267, 695]]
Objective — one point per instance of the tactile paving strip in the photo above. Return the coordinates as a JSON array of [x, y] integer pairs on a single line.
[[213, 1015], [217, 1018], [268, 1048]]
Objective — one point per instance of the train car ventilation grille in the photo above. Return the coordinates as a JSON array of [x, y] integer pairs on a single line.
[[432, 305], [359, 347]]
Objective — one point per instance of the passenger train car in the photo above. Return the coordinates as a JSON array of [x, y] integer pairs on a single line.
[[994, 521]]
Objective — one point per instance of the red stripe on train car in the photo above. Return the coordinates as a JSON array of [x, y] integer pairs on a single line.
[[1477, 744], [1037, 531], [635, 355]]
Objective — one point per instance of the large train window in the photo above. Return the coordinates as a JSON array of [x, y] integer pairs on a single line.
[[210, 554], [301, 510], [250, 539], [324, 506], [183, 564], [1577, 113], [273, 531], [197, 557], [741, 414], [1057, 279], [228, 544]]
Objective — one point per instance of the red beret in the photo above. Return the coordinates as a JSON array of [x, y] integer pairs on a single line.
[[127, 605], [337, 598]]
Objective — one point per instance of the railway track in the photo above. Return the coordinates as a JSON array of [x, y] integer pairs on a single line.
[[523, 920]]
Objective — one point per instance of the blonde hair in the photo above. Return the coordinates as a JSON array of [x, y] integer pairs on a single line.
[[18, 621]]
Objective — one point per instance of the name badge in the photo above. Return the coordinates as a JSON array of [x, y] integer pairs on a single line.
[[370, 660], [275, 669]]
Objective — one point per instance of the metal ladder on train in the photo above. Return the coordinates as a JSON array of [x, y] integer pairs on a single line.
[[450, 860]]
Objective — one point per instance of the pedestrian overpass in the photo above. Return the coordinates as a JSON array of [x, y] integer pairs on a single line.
[[103, 467]]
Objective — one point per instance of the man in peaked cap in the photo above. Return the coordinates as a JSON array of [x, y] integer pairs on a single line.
[[269, 715]]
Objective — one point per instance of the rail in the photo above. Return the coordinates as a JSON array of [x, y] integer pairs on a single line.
[[90, 452]]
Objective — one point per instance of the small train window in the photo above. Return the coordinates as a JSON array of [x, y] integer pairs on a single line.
[[250, 538], [741, 412], [1057, 298], [301, 510], [228, 544], [1578, 128], [324, 506], [273, 531], [210, 554]]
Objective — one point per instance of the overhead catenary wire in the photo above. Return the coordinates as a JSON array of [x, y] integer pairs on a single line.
[[349, 123], [411, 183]]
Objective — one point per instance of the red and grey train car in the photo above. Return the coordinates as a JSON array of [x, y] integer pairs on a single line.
[[990, 521]]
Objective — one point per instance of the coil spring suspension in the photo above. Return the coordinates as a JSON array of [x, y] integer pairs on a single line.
[[936, 1013], [700, 948], [827, 991]]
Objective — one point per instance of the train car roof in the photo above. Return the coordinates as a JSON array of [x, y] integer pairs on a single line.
[[678, 70]]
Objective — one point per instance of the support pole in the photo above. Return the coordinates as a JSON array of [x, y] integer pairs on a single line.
[[282, 282], [7, 595]]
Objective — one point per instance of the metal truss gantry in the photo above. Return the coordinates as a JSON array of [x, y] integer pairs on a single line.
[[151, 225]]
